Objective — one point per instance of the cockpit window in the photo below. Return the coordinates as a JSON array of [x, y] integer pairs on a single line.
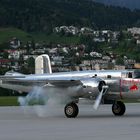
[[137, 74]]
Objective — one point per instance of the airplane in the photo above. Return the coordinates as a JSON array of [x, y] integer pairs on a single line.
[[102, 86]]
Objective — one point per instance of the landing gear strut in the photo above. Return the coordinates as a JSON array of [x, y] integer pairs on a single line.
[[71, 110], [118, 108]]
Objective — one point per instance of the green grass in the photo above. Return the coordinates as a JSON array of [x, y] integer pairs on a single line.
[[6, 34], [13, 101], [9, 101], [131, 101], [55, 39]]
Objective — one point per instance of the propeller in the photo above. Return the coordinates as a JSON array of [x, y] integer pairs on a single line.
[[99, 98]]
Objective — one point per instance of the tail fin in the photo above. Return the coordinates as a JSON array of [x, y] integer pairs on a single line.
[[43, 64]]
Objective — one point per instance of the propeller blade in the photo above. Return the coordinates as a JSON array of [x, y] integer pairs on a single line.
[[99, 98]]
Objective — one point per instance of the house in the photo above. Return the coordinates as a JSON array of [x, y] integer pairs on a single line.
[[56, 29], [73, 30], [15, 54], [137, 65], [95, 54], [96, 63], [119, 67], [15, 43], [86, 30], [57, 60], [5, 62], [106, 58], [134, 31], [129, 63], [66, 29], [39, 51], [53, 51], [25, 57], [138, 42]]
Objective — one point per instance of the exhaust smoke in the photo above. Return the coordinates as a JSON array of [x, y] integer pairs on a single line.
[[37, 102], [36, 96], [46, 101]]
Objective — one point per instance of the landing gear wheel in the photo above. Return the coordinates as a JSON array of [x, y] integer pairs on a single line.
[[118, 108], [71, 110]]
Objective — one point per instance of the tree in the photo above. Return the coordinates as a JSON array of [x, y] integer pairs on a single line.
[[5, 55], [119, 61], [31, 64]]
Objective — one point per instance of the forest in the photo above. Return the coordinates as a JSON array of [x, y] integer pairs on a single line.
[[44, 15]]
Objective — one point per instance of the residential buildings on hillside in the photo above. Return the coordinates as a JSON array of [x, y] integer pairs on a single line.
[[69, 57]]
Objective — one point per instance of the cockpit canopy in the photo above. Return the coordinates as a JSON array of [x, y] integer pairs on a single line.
[[131, 74], [137, 74]]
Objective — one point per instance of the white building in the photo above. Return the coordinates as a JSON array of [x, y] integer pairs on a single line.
[[134, 30]]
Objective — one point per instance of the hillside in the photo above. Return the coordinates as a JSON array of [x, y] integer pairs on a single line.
[[132, 4], [6, 34], [43, 15]]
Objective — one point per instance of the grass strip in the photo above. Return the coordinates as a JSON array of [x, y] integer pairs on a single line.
[[9, 101]]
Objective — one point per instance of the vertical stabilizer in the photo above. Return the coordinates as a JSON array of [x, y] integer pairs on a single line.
[[43, 64]]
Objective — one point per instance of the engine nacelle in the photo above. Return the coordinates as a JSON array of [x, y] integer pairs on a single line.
[[93, 86]]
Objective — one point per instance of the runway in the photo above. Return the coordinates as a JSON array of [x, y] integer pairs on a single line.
[[50, 123]]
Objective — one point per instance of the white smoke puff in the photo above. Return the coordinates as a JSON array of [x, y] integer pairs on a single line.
[[53, 97], [41, 111], [52, 108], [52, 102], [36, 96], [22, 101]]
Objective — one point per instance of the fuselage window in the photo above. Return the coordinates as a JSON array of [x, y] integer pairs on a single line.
[[109, 76], [129, 75]]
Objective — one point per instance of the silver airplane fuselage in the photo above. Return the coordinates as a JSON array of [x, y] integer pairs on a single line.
[[123, 84]]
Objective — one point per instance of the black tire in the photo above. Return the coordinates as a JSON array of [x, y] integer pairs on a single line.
[[71, 110], [118, 108]]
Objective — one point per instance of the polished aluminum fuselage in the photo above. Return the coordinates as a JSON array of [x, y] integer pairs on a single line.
[[122, 84]]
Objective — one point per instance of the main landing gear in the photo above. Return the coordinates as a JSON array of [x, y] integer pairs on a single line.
[[118, 108], [71, 110]]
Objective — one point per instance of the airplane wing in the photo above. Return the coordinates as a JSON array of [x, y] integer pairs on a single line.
[[15, 78], [64, 83], [59, 82], [51, 81], [11, 77]]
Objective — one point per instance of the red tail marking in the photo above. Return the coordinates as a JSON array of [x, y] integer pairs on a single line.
[[133, 88]]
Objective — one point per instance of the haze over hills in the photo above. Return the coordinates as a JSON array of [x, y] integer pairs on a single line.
[[132, 4]]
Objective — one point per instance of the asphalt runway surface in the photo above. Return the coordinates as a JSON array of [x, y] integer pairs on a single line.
[[50, 123]]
